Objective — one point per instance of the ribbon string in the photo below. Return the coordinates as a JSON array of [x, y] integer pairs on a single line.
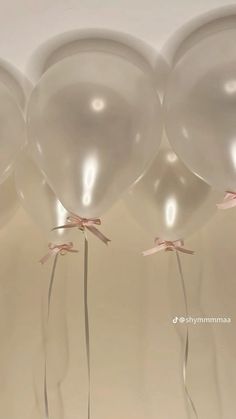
[[229, 201], [74, 221], [54, 250], [51, 283], [50, 288], [86, 320], [167, 246], [46, 405], [177, 246], [186, 350]]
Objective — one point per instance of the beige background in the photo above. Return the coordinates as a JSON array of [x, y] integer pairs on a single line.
[[136, 351]]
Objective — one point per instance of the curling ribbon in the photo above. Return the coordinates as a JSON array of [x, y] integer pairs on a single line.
[[186, 350], [86, 321], [74, 221], [176, 245], [45, 392], [54, 250], [229, 201]]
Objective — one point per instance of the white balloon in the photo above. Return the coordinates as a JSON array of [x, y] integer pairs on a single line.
[[95, 123], [12, 132], [39, 201], [169, 200], [200, 108]]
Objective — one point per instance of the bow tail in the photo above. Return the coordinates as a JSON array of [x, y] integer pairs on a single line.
[[183, 250], [46, 257], [228, 203], [98, 234], [154, 250], [69, 225]]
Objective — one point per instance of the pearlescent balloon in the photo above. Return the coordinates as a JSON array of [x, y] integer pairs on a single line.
[[8, 200], [169, 200], [12, 132], [200, 109], [94, 124], [39, 201]]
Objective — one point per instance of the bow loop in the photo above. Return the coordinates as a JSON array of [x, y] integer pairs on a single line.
[[58, 249], [167, 246], [74, 221], [229, 201]]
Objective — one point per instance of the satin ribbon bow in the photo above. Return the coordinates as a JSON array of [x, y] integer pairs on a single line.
[[74, 221], [229, 201], [167, 246], [55, 249]]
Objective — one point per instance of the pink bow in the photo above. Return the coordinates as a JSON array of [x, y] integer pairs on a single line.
[[74, 221], [55, 249], [229, 201], [167, 246]]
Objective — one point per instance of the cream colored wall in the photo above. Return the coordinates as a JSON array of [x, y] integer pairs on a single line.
[[135, 349]]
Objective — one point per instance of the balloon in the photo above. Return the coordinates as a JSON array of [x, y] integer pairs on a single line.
[[200, 107], [169, 200], [39, 201], [12, 132], [94, 124], [8, 200]]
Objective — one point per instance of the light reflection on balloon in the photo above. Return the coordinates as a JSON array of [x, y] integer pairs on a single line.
[[230, 86], [170, 212], [171, 157], [98, 104], [185, 133], [233, 153], [62, 214], [89, 175], [39, 148], [169, 200], [7, 171], [137, 137]]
